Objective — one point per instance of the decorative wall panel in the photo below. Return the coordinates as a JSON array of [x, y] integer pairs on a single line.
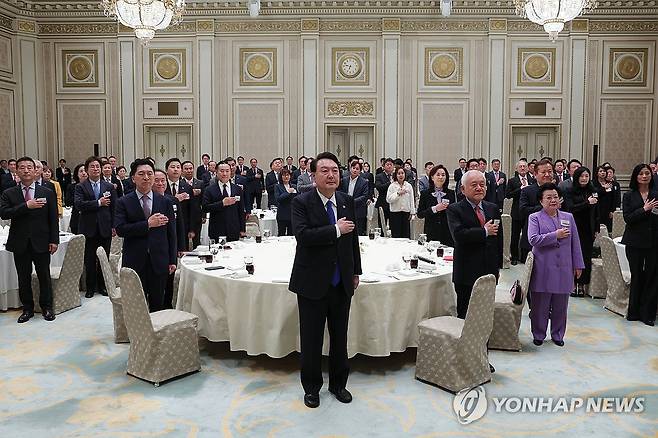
[[350, 108], [628, 66], [258, 128], [80, 68], [81, 124], [6, 58], [7, 124], [167, 67], [625, 133], [350, 66], [258, 67], [536, 68], [442, 130], [444, 66]]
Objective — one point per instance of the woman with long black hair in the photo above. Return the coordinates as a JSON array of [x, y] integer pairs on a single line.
[[433, 204], [584, 198], [606, 193], [641, 240]]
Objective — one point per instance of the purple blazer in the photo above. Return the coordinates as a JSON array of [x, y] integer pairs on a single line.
[[555, 260]]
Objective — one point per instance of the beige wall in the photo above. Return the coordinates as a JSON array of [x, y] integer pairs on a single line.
[[266, 88]]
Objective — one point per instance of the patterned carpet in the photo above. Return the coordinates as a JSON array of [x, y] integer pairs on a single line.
[[67, 379]]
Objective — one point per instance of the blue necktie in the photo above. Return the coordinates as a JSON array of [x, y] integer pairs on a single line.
[[335, 278], [97, 190]]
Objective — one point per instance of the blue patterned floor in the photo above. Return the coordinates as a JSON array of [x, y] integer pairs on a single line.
[[67, 379]]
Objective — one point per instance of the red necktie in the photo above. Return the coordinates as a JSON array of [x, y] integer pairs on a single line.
[[480, 216], [28, 195]]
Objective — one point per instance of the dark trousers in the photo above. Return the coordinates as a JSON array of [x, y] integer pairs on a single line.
[[399, 223], [463, 297], [23, 262], [167, 302], [258, 196], [154, 285], [196, 240], [94, 276], [643, 298], [586, 245], [335, 309], [361, 225], [285, 227], [517, 227]]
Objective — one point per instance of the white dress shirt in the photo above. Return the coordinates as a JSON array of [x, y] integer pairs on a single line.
[[350, 189], [333, 206], [221, 187]]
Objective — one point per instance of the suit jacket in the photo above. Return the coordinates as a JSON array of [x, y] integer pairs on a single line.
[[555, 260], [491, 188], [371, 184], [181, 234], [436, 224], [94, 219], [641, 226], [140, 241], [226, 221], [565, 187], [318, 248], [196, 213], [47, 184], [360, 195], [255, 185], [304, 183], [292, 168], [6, 181], [382, 181], [528, 204], [39, 226], [239, 169], [513, 192], [284, 202], [201, 171], [127, 185], [458, 176], [565, 176], [184, 213], [271, 180], [499, 190], [115, 182], [476, 254], [63, 178]]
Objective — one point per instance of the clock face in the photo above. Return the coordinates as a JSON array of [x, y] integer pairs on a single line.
[[350, 66]]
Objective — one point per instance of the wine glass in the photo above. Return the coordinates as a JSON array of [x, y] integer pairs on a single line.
[[378, 233], [222, 242], [422, 239], [406, 258], [266, 234], [213, 248]]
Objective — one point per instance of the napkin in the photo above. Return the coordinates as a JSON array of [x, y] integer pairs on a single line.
[[193, 261], [426, 266], [281, 279], [240, 273]]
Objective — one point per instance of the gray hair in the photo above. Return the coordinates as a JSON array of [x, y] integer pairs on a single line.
[[469, 175]]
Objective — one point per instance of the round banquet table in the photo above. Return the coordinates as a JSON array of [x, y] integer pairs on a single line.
[[9, 280], [266, 223], [258, 314]]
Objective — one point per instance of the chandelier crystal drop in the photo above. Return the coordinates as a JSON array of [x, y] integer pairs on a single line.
[[145, 16], [552, 14]]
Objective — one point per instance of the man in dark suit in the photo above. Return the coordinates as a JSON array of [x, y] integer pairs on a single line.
[[178, 188], [273, 178], [357, 187], [111, 178], [210, 176], [474, 225], [499, 180], [196, 215], [255, 182], [241, 168], [520, 181], [382, 181], [63, 175], [459, 172], [145, 220], [561, 173], [529, 201], [324, 276], [38, 180], [302, 168], [224, 201], [95, 199], [289, 164], [204, 167], [10, 179], [124, 181], [33, 237]]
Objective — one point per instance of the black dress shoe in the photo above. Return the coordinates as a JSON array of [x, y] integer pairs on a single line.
[[558, 343], [650, 323], [537, 342], [89, 294], [492, 369], [48, 315], [514, 263], [312, 400], [25, 316], [103, 292], [342, 395], [631, 318]]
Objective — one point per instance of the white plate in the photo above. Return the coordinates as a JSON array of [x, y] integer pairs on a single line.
[[369, 278], [407, 273]]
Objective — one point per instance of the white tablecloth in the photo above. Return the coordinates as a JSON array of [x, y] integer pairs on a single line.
[[65, 220], [258, 315], [621, 253], [266, 223], [8, 278]]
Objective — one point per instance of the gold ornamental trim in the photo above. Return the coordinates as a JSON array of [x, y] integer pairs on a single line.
[[310, 25], [80, 28], [6, 23], [445, 26], [350, 108], [391, 25], [27, 26], [184, 27], [257, 26], [580, 25], [205, 25], [523, 26], [497, 25], [350, 26], [623, 26]]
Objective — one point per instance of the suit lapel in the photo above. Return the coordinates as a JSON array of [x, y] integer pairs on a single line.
[[321, 208]]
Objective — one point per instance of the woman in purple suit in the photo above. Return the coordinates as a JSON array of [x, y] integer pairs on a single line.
[[558, 259]]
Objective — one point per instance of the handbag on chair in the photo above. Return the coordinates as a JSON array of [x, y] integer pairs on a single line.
[[516, 293]]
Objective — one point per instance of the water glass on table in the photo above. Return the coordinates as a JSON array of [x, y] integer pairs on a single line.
[[249, 264]]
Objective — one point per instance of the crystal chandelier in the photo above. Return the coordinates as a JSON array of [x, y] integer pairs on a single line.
[[145, 16], [552, 14]]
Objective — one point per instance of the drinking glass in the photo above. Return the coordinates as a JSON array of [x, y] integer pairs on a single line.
[[266, 234], [213, 248], [406, 258], [378, 233], [249, 264], [422, 239], [413, 261], [222, 242]]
